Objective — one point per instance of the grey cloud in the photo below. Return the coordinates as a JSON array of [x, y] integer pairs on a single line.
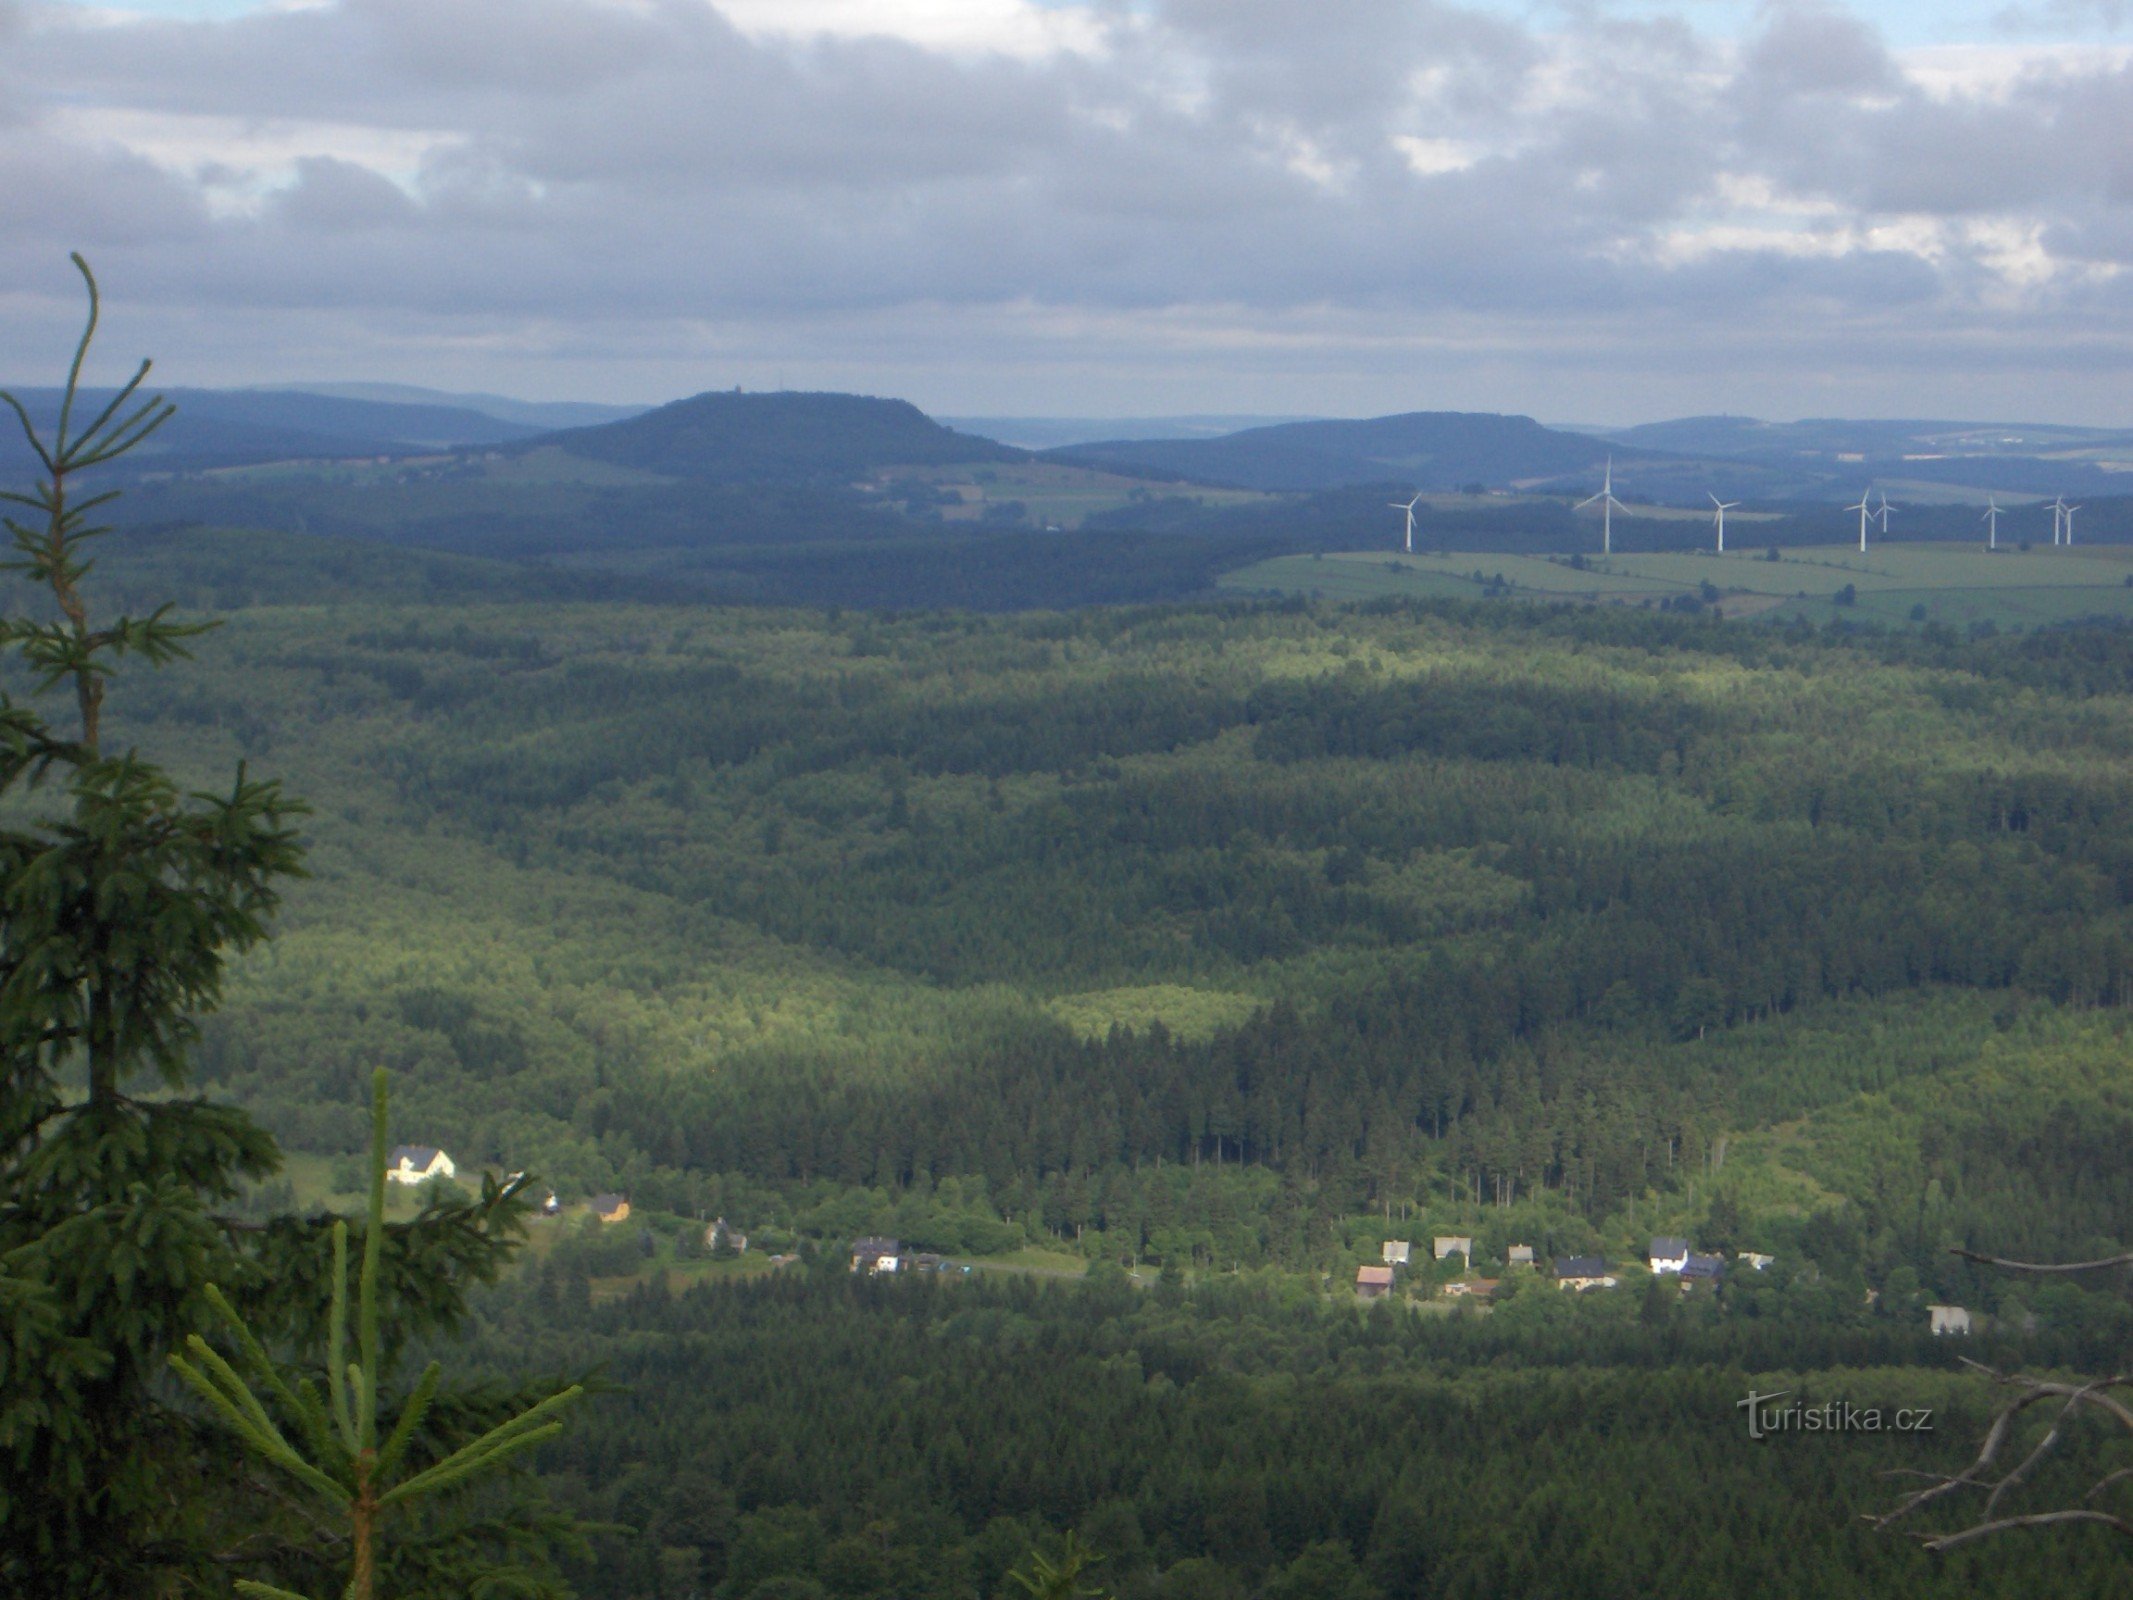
[[652, 167], [1810, 50], [338, 197]]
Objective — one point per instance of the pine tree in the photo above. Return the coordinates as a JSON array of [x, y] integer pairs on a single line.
[[121, 902]]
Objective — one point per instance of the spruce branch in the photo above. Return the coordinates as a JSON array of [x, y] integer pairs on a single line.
[[347, 1469]]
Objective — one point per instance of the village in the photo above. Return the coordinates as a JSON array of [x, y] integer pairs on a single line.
[[1449, 1273]]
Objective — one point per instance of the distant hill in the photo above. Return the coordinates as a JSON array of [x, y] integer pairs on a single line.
[[1429, 449], [1831, 457], [540, 414], [732, 437], [1055, 433], [245, 427]]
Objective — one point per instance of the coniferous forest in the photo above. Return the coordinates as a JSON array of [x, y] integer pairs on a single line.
[[1161, 963]]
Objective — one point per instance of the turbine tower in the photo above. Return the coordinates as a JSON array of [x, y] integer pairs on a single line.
[[2070, 510], [1723, 507], [1864, 511], [1409, 508], [1991, 519], [2058, 516], [1608, 502], [1884, 513]]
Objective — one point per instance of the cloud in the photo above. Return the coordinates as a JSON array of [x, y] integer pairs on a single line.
[[1049, 189]]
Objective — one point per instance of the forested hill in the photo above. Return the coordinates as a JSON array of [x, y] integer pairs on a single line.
[[1537, 908], [732, 437], [242, 427], [1428, 449], [1233, 940]]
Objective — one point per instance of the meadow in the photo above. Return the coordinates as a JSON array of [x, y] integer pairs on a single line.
[[1892, 583]]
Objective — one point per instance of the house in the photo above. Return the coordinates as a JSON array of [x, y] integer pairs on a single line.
[[1396, 1252], [1948, 1319], [417, 1163], [1701, 1269], [1446, 1244], [1754, 1258], [722, 1230], [1519, 1255], [1373, 1283], [610, 1207], [873, 1254], [1582, 1273], [1477, 1288], [1669, 1255]]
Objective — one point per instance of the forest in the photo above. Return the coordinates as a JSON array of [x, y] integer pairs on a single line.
[[1204, 947]]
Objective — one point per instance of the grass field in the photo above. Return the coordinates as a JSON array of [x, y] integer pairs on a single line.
[[1048, 491], [1895, 583]]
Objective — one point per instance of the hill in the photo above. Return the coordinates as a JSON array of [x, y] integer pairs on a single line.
[[777, 438], [1428, 449], [1832, 455], [545, 415], [249, 427]]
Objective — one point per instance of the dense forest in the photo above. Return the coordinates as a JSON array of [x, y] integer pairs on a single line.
[[839, 1437], [1220, 943]]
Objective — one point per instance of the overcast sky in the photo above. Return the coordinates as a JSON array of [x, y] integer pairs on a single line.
[[1586, 211]]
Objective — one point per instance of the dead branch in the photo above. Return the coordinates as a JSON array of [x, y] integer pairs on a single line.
[[2125, 1260]]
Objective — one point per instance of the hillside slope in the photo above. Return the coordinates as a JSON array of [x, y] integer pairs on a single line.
[[777, 438], [225, 428], [1428, 449]]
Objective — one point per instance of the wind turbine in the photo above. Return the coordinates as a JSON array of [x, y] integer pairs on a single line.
[[1991, 519], [2070, 510], [1723, 507], [2058, 515], [1864, 511], [1884, 513], [1608, 502], [1409, 508]]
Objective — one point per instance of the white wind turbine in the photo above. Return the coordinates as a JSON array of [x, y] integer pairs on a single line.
[[2058, 516], [2070, 510], [1723, 507], [1884, 513], [1991, 519], [1608, 502], [1409, 508], [1864, 511]]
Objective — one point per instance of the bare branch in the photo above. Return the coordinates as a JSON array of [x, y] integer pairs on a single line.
[[2039, 1519], [2124, 1260]]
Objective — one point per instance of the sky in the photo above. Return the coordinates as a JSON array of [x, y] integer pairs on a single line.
[[1600, 211]]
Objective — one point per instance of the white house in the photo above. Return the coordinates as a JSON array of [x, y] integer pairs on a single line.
[[1669, 1255], [1755, 1259], [1396, 1252], [417, 1163], [1948, 1319], [1446, 1244], [875, 1254], [1519, 1255], [722, 1229], [1580, 1273]]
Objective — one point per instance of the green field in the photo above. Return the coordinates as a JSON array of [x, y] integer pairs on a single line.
[[1923, 583]]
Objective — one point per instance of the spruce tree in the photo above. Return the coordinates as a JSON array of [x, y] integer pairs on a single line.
[[122, 901]]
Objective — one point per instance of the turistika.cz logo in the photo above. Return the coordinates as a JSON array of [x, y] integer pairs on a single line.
[[1766, 1417]]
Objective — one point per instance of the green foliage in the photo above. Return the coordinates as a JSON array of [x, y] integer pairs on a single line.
[[118, 911], [123, 899], [950, 1427], [338, 1456], [1061, 1579]]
